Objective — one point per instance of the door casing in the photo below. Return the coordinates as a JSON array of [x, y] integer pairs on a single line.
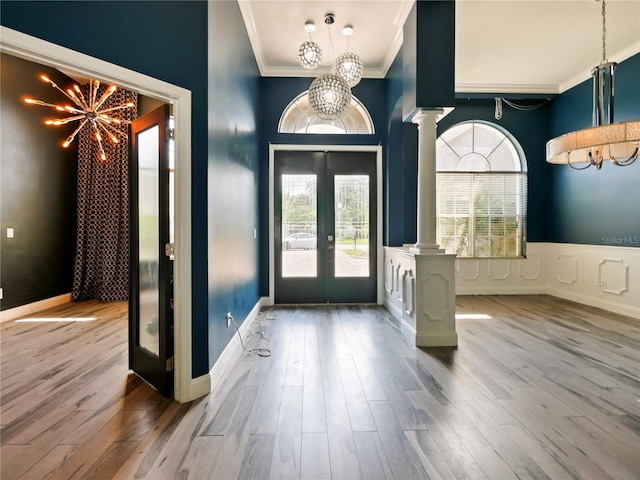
[[46, 53], [326, 148]]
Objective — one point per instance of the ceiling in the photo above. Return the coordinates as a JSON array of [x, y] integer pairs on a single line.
[[521, 46]]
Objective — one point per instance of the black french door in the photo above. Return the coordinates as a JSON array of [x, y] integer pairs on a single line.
[[151, 266], [325, 227]]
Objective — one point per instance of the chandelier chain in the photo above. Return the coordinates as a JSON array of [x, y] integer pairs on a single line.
[[604, 31]]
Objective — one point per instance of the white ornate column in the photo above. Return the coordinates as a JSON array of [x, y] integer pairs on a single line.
[[426, 241], [435, 279]]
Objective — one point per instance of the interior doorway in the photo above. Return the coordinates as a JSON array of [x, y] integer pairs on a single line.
[[78, 64]]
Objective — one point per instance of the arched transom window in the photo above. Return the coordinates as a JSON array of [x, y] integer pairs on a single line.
[[298, 117], [481, 191]]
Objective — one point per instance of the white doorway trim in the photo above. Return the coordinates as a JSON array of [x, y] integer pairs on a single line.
[[325, 148], [75, 63]]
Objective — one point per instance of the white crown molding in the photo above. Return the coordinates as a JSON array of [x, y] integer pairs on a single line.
[[254, 39], [506, 88], [619, 57]]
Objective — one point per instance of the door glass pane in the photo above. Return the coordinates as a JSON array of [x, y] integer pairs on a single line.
[[149, 238], [299, 225], [351, 193]]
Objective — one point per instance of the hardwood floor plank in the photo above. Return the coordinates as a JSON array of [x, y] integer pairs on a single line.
[[402, 457], [314, 457], [314, 419], [285, 462], [371, 456], [256, 464]]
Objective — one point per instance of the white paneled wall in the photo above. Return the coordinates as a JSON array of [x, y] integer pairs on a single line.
[[598, 275]]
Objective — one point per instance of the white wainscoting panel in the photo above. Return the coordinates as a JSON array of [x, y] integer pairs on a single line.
[[602, 276], [502, 276], [605, 276]]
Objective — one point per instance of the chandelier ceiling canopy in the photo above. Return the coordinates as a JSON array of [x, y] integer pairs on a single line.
[[330, 94], [605, 140]]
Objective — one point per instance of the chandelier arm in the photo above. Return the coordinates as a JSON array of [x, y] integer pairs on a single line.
[[110, 128], [573, 166], [99, 140], [63, 121], [78, 100], [40, 103], [111, 136], [77, 111], [111, 109], [104, 98], [94, 92], [632, 158], [53, 84], [595, 161], [72, 137]]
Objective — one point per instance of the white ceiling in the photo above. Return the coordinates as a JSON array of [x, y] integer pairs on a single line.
[[521, 46]]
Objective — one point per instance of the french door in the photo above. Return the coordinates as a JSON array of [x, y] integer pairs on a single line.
[[150, 266], [325, 227]]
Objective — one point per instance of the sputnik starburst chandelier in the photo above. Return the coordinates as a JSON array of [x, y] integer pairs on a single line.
[[88, 111]]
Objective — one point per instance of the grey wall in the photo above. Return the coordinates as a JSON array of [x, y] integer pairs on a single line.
[[37, 188]]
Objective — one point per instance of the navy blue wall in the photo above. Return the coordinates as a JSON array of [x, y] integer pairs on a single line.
[[166, 40], [276, 94], [232, 174], [400, 166], [590, 206]]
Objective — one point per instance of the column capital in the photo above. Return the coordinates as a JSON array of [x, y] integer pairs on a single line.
[[427, 114]]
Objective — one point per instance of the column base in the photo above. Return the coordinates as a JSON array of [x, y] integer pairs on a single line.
[[437, 340], [426, 249], [436, 300]]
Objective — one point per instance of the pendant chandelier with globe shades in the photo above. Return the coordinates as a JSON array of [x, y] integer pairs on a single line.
[[330, 94]]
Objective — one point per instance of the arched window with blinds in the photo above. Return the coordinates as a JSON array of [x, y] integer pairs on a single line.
[[481, 191]]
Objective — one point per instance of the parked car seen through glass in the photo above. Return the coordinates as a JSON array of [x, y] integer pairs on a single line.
[[299, 241]]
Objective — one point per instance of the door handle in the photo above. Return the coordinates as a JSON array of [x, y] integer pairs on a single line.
[[330, 247]]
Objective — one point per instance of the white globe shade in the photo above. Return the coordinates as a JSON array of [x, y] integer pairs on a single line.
[[310, 55], [349, 67], [329, 96]]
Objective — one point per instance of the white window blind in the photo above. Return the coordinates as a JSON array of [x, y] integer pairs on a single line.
[[481, 213]]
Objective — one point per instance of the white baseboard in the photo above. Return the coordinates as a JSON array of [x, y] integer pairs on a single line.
[[615, 307], [200, 386], [228, 356], [498, 290], [29, 308]]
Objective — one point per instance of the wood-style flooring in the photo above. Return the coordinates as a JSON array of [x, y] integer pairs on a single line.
[[539, 388]]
